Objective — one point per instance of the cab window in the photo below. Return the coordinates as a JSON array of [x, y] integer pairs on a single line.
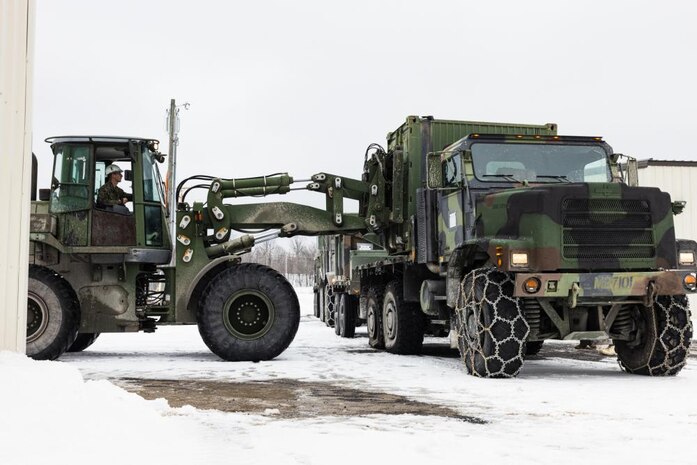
[[71, 179]]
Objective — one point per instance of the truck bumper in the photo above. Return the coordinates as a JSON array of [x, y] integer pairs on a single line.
[[600, 285]]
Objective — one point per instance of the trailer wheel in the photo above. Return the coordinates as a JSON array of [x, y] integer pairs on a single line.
[[248, 312], [83, 341], [374, 317], [491, 324], [402, 322], [662, 338], [347, 314], [53, 314]]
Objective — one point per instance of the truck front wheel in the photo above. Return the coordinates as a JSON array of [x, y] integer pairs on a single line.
[[53, 314], [491, 325], [248, 312], [662, 334]]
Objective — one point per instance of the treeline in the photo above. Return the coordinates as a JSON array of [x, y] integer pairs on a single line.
[[295, 259]]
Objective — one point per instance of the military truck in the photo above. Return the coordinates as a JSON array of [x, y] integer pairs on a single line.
[[96, 268], [506, 235]]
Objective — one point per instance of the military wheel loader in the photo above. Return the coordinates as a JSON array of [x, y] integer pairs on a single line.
[[504, 236], [96, 268]]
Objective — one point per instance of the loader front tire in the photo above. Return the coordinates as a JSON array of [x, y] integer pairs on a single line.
[[248, 312]]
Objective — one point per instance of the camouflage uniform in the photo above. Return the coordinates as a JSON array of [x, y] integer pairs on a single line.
[[110, 194]]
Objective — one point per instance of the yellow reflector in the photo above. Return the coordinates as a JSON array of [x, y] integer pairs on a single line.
[[690, 281], [531, 285]]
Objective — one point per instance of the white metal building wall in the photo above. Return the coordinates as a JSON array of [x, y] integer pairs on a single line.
[[16, 56], [681, 183]]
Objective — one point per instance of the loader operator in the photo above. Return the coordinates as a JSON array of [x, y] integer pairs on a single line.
[[110, 195]]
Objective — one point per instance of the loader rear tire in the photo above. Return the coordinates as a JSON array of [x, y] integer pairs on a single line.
[[53, 314], [248, 312], [663, 334], [83, 341]]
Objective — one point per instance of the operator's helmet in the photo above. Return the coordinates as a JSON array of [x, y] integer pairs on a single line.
[[113, 168]]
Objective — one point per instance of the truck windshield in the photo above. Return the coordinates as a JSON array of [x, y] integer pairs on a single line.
[[540, 163]]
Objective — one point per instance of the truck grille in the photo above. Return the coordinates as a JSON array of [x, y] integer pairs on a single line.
[[607, 229]]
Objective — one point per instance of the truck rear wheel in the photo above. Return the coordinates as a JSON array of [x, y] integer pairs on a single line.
[[83, 341], [663, 334], [248, 312], [346, 316], [402, 322], [491, 324], [53, 314], [374, 317]]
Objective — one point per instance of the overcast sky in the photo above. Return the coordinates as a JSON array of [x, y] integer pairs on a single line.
[[305, 86]]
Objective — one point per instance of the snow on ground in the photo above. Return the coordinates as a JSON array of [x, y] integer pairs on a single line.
[[558, 409]]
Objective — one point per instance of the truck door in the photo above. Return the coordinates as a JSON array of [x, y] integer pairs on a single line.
[[450, 206]]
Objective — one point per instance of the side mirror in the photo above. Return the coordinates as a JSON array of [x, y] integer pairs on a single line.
[[632, 171], [678, 206], [128, 175], [44, 195], [434, 175]]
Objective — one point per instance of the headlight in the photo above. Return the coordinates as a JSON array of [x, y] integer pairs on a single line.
[[519, 259], [687, 258]]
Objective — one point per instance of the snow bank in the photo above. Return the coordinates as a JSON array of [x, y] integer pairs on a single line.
[[50, 415]]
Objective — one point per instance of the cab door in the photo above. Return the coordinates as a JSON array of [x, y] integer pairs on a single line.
[[450, 206]]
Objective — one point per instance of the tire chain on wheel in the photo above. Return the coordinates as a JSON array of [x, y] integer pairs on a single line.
[[672, 344], [498, 349], [330, 307]]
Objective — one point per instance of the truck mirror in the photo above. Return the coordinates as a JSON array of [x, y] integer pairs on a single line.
[[434, 179], [128, 175], [632, 171], [44, 195]]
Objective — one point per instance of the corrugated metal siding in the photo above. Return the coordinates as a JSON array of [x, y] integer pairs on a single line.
[[681, 183], [16, 44]]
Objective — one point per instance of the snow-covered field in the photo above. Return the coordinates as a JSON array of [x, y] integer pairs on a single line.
[[558, 410]]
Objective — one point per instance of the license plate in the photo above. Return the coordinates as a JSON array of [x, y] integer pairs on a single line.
[[614, 283]]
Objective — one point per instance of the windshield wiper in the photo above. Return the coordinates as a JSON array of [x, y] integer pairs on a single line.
[[507, 177], [559, 177]]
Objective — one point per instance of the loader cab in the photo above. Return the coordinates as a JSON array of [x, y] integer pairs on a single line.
[[80, 167]]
